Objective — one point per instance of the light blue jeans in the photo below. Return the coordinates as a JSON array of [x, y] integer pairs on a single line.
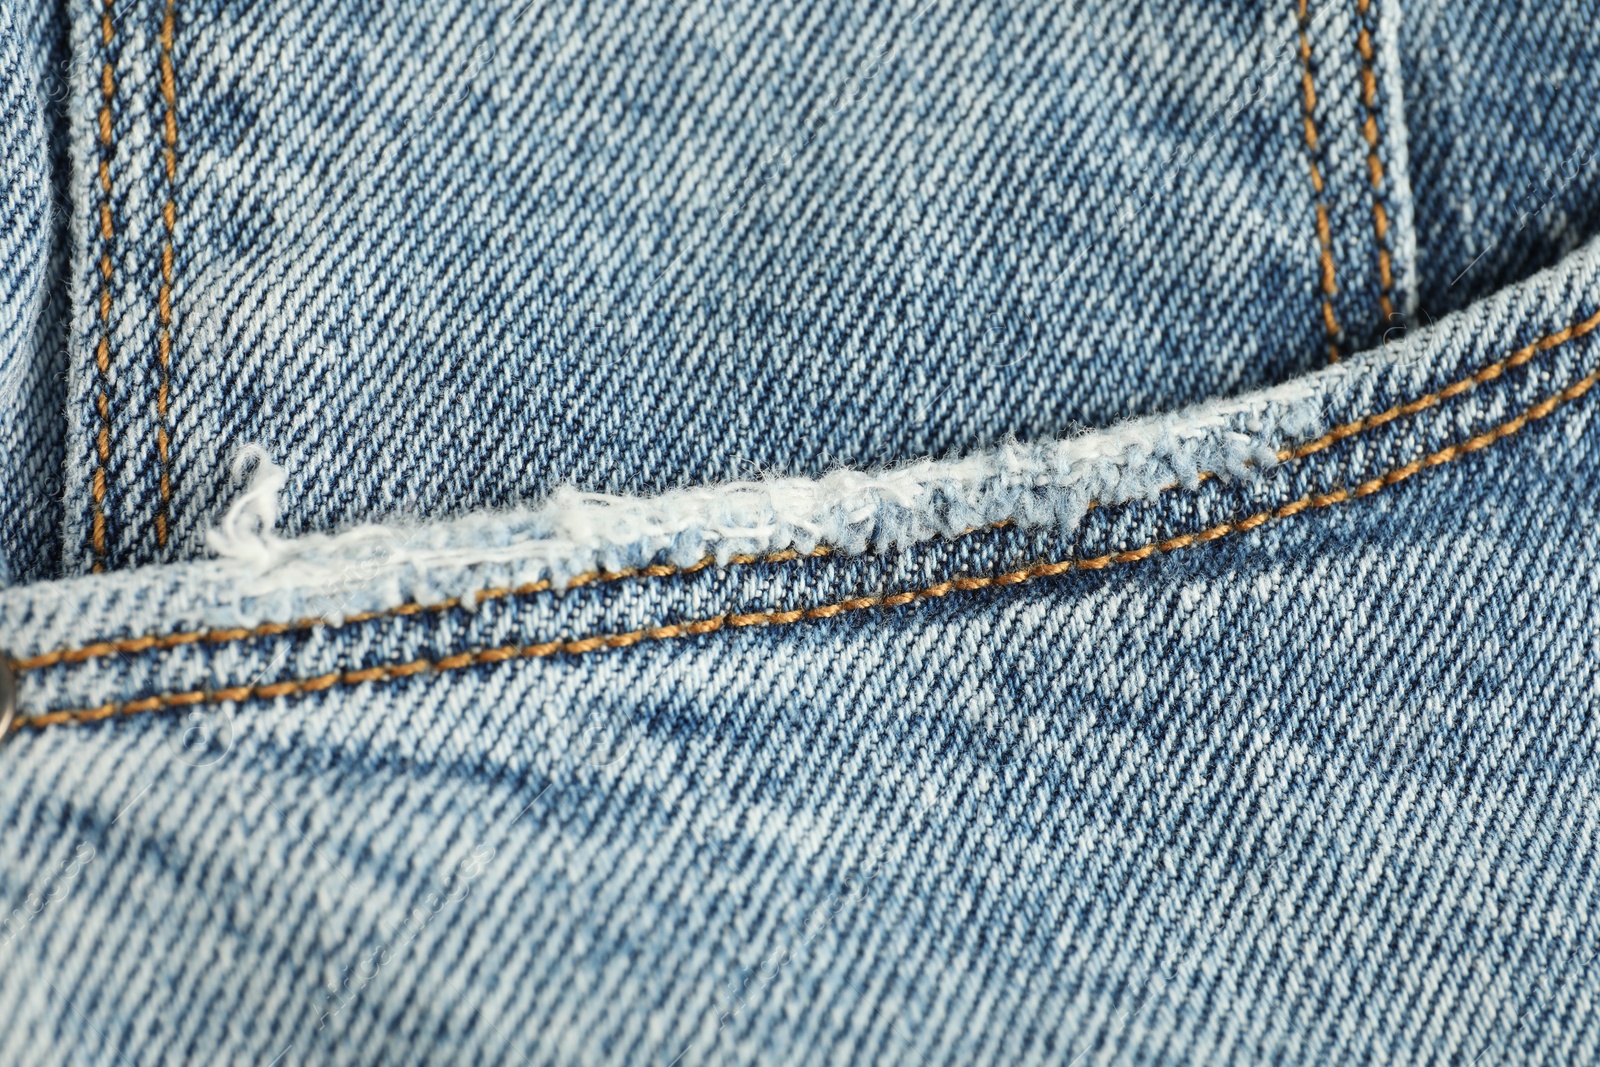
[[694, 533]]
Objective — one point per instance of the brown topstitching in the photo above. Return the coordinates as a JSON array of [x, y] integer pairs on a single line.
[[392, 671], [102, 353], [148, 642], [169, 219], [1330, 285], [1369, 130]]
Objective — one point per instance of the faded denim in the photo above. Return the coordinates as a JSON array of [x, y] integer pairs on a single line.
[[1086, 554], [491, 251]]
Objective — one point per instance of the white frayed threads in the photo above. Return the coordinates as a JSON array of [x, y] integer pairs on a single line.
[[245, 532], [1031, 484]]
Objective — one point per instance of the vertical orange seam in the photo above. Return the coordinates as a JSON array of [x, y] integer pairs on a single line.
[[169, 218], [1330, 283], [1369, 130], [102, 356]]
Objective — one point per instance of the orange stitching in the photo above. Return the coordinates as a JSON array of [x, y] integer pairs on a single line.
[[599, 642], [165, 642], [1369, 130], [1330, 284], [102, 354], [1422, 403], [169, 217], [133, 645]]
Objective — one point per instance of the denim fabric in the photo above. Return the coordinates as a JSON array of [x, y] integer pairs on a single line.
[[1500, 101], [32, 305], [487, 251], [1292, 765], [965, 532]]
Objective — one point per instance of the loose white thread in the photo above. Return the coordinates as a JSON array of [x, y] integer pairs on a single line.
[[245, 532]]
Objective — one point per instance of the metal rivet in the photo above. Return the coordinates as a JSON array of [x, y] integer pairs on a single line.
[[8, 696]]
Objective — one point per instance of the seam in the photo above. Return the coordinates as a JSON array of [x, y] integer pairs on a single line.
[[163, 642], [391, 672], [1329, 280], [1456, 388], [169, 218], [1369, 130], [102, 356]]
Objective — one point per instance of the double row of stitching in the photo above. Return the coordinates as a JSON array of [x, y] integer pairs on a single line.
[[99, 534], [1456, 388], [393, 671], [1369, 130], [162, 642], [1329, 280]]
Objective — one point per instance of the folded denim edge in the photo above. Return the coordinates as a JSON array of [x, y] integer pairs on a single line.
[[259, 577]]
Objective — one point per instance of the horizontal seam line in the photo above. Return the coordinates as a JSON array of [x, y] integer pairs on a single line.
[[166, 642], [390, 672]]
